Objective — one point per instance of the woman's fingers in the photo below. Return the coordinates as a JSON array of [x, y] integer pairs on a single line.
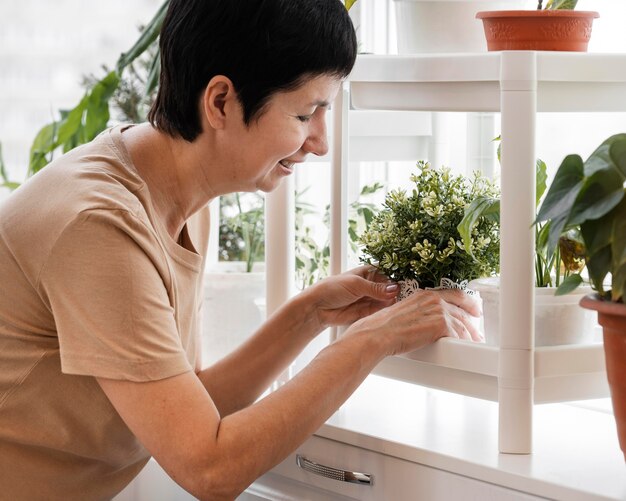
[[471, 304]]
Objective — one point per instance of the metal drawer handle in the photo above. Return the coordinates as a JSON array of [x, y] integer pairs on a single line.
[[326, 471]]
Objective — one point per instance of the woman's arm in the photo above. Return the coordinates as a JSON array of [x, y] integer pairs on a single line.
[[217, 458], [241, 377]]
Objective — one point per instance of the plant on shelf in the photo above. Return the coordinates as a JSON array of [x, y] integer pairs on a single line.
[[552, 269], [558, 321], [415, 236], [592, 195], [555, 26]]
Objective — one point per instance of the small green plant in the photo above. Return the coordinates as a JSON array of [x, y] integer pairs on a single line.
[[416, 236], [557, 5], [552, 269], [590, 195]]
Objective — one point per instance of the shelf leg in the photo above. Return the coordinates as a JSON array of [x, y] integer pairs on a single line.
[[518, 85], [339, 187]]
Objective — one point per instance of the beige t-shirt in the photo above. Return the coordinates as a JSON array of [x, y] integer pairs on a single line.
[[91, 284]]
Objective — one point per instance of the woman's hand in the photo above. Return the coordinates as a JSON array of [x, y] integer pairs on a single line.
[[343, 299], [422, 319]]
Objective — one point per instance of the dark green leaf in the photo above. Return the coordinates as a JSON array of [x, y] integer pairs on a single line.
[[153, 76], [569, 284], [563, 190], [618, 283], [617, 153], [599, 265], [604, 158], [618, 237], [541, 179], [148, 36], [42, 145], [600, 193]]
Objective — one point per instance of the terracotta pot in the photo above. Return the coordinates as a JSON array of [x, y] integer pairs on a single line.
[[561, 30], [612, 318]]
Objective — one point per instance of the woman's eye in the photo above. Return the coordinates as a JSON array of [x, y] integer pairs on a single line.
[[304, 118]]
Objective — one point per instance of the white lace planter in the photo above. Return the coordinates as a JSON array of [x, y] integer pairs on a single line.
[[559, 320], [444, 25], [411, 286]]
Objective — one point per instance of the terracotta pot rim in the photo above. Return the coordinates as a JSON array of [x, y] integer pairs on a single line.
[[487, 14], [595, 302]]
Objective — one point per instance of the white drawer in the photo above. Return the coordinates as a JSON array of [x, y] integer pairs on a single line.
[[393, 479]]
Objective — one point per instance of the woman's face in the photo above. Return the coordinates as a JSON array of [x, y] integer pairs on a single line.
[[291, 126]]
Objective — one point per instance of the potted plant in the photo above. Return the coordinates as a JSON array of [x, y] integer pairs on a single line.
[[414, 239], [557, 26], [558, 320], [590, 195]]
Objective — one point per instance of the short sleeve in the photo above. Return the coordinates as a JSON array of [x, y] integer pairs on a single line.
[[108, 285]]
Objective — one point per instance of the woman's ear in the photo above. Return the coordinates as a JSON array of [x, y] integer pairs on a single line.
[[218, 100]]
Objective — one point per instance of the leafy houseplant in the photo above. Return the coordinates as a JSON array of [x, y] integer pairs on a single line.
[[558, 320], [560, 268], [415, 237], [553, 27], [591, 195]]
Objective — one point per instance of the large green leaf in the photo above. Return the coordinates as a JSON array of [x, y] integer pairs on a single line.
[[97, 112], [564, 189], [480, 207], [596, 235], [569, 284], [617, 152], [561, 197], [618, 284], [599, 266], [148, 36], [601, 192], [618, 240], [609, 155], [541, 179], [43, 144]]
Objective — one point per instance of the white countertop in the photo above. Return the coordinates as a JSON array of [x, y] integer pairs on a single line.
[[576, 454]]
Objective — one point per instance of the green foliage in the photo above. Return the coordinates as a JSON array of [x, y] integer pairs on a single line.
[[349, 3], [558, 4], [242, 228], [549, 266], [416, 236], [312, 259], [590, 195]]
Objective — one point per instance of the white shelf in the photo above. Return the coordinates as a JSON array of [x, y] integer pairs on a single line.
[[471, 82], [518, 84], [561, 373]]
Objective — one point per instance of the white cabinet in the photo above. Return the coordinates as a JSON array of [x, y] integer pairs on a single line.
[[391, 479], [518, 85]]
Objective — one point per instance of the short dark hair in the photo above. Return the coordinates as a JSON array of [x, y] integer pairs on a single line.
[[262, 46]]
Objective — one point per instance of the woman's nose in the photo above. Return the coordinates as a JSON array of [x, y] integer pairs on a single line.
[[317, 142]]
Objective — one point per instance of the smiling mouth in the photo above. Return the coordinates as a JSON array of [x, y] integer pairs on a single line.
[[287, 165]]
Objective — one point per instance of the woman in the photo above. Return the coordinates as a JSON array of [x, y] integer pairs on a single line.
[[101, 255]]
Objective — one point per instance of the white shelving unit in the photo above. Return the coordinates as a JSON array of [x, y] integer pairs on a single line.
[[518, 85]]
